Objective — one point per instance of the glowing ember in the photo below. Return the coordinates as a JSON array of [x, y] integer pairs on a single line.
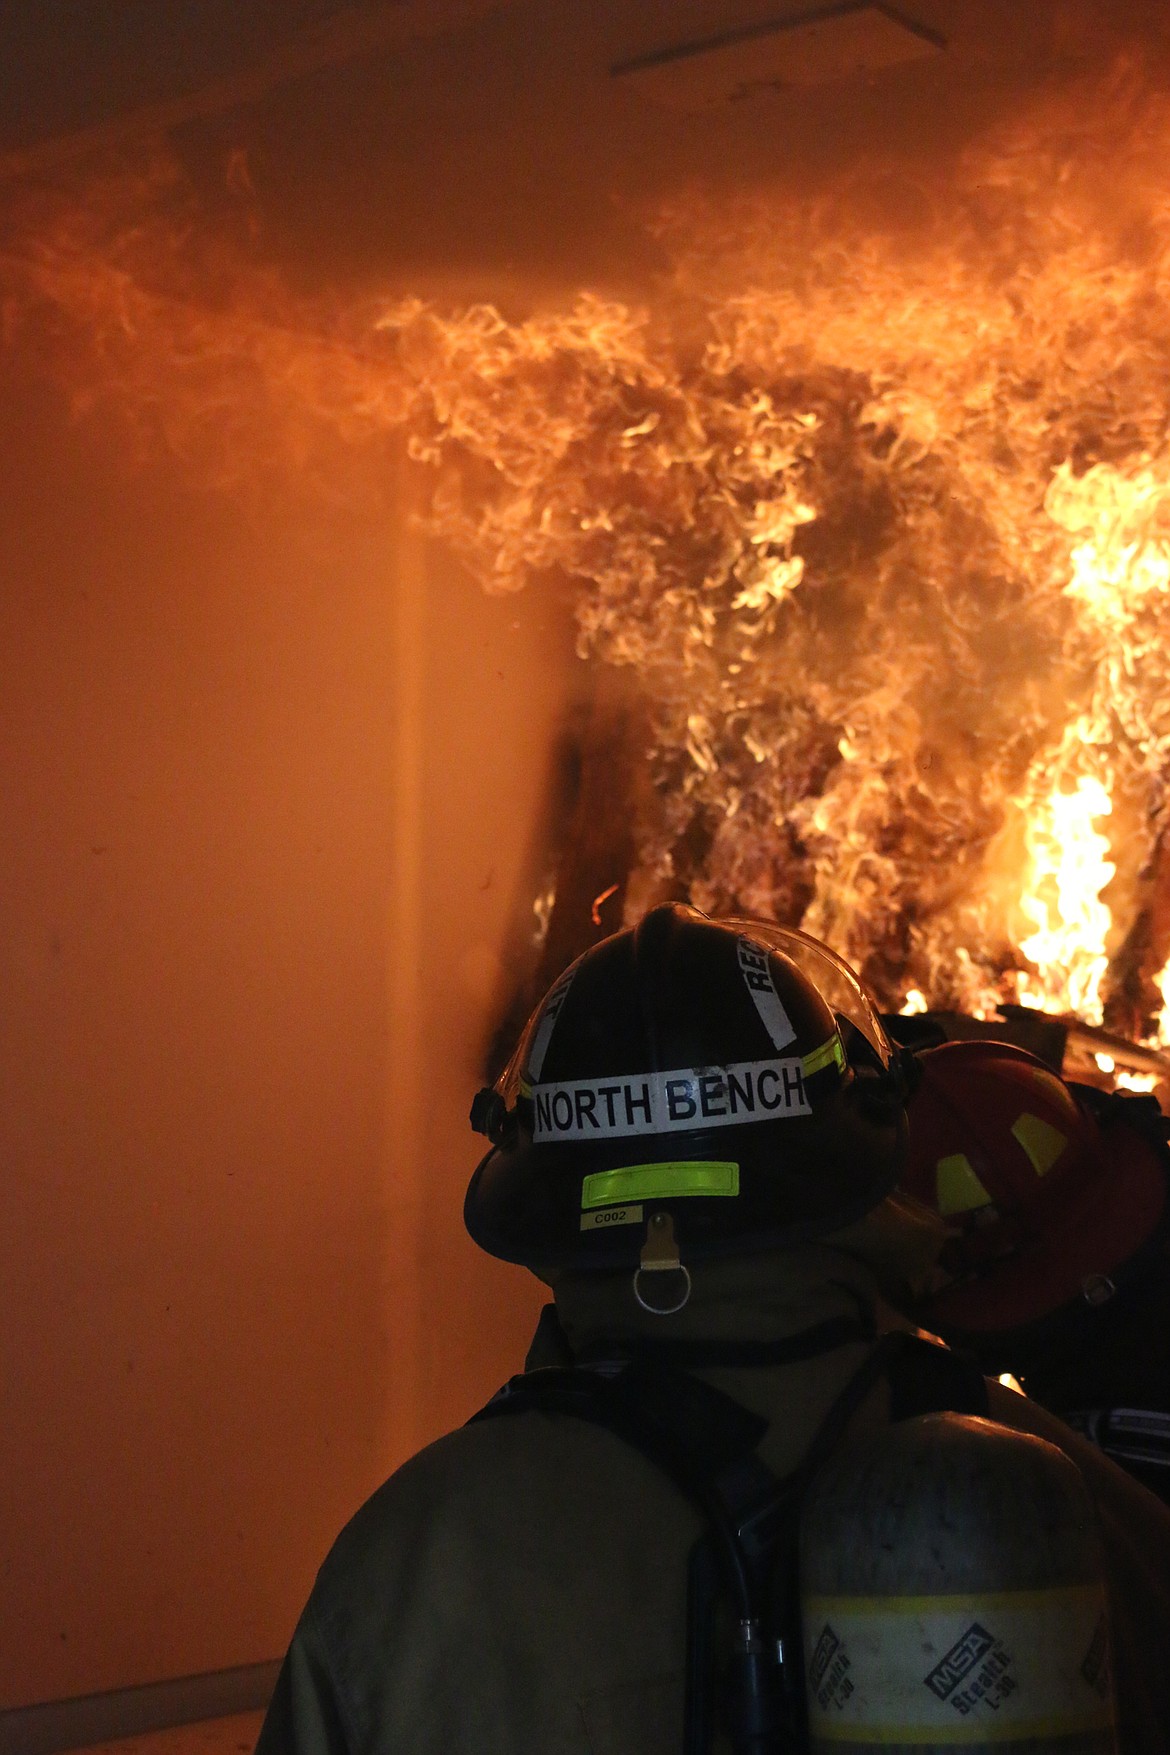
[[882, 523], [595, 910]]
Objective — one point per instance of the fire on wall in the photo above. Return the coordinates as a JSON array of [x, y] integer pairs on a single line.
[[474, 472]]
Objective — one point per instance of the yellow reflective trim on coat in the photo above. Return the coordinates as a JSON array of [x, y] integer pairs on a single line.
[[669, 1181]]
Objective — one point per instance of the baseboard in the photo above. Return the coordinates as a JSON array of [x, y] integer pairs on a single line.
[[127, 1712]]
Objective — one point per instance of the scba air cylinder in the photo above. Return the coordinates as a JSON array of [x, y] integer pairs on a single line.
[[952, 1596]]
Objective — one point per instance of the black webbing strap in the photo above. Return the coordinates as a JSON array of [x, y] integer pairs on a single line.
[[928, 1379], [690, 1430], [705, 1442]]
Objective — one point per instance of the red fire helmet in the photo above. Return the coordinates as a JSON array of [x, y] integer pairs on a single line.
[[1048, 1204]]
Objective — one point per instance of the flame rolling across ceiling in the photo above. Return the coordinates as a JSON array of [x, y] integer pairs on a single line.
[[877, 515]]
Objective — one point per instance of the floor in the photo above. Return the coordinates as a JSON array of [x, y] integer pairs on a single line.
[[215, 1736]]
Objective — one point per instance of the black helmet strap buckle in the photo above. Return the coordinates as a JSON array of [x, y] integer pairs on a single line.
[[660, 1256]]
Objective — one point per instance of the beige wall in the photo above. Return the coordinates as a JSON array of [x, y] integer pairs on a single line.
[[272, 783]]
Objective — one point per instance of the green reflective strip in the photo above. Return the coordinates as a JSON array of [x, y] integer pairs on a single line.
[[829, 1052], [657, 1182]]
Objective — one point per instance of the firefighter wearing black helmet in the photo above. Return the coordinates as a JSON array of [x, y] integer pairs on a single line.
[[690, 1068], [694, 1145]]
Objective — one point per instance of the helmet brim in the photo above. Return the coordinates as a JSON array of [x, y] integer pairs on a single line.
[[838, 1164]]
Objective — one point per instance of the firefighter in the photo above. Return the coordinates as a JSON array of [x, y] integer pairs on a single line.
[[696, 1146], [1057, 1202]]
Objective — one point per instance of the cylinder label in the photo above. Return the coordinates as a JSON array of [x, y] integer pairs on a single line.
[[958, 1669]]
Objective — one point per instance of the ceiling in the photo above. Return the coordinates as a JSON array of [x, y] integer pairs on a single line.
[[490, 138]]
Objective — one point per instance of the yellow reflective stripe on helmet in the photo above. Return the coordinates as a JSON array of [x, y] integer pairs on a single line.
[[1042, 1142], [830, 1052], [958, 1188], [634, 1182]]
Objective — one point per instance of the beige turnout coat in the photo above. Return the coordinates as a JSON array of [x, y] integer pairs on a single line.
[[518, 1588]]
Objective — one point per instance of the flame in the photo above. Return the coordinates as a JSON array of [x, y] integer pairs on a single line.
[[1140, 1083], [879, 515], [1162, 1022], [1068, 870]]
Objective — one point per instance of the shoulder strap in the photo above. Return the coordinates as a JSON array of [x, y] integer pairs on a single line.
[[926, 1378], [705, 1442], [690, 1430]]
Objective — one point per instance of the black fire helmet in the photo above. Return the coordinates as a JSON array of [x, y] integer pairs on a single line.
[[729, 1072]]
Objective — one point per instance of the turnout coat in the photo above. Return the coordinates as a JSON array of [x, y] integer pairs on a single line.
[[519, 1586]]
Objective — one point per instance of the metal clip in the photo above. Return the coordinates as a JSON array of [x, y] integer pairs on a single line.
[[660, 1255]]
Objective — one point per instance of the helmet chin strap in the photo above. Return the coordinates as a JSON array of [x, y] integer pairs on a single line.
[[660, 1256]]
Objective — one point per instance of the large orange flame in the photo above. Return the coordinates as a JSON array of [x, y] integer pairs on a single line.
[[879, 514]]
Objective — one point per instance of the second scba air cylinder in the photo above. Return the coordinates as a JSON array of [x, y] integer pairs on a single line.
[[952, 1596]]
